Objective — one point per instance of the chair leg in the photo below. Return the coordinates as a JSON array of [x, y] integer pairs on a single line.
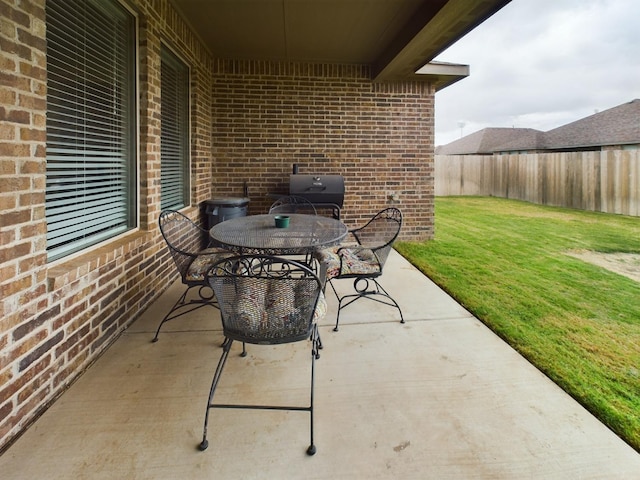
[[169, 316], [392, 303], [188, 306], [330, 282], [315, 345], [244, 346], [320, 346], [226, 346], [365, 292], [315, 342]]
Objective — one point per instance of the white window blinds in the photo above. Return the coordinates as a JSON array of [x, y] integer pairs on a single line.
[[174, 151], [91, 174]]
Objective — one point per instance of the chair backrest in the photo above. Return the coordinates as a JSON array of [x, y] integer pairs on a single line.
[[293, 204], [184, 238], [380, 233], [265, 299]]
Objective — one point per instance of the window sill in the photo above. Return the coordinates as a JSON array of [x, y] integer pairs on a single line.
[[70, 270]]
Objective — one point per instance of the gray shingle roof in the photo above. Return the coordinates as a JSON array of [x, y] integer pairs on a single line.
[[616, 126], [489, 140]]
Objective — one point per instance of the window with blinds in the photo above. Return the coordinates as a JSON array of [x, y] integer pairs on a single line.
[[174, 148], [91, 124]]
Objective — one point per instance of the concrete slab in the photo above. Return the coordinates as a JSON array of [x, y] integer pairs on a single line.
[[438, 397]]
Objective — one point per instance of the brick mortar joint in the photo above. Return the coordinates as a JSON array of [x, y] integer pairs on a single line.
[[69, 269]]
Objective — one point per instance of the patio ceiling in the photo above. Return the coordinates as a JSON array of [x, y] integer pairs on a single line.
[[395, 37]]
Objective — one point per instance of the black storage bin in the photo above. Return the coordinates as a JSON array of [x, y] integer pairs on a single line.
[[220, 209]]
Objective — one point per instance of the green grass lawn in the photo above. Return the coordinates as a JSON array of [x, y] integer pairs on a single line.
[[506, 262]]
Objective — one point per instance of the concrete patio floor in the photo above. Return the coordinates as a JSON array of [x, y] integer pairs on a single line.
[[440, 397]]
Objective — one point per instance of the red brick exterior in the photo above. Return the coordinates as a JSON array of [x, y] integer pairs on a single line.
[[250, 122], [327, 119]]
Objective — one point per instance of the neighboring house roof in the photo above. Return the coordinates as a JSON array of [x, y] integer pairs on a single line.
[[489, 140], [616, 126]]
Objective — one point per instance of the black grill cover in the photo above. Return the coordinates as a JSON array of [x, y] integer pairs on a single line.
[[318, 189]]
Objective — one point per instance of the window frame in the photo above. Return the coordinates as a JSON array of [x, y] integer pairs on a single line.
[[175, 149], [92, 192]]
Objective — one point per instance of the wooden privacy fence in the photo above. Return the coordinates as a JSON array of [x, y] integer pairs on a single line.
[[603, 181]]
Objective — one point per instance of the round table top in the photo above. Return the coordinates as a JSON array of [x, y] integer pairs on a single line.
[[258, 234]]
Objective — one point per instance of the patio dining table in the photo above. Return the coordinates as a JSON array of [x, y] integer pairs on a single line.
[[258, 234]]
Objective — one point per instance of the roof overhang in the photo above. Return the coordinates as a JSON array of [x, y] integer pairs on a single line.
[[397, 38], [441, 75]]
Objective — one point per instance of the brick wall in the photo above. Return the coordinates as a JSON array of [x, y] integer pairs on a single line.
[[56, 319], [250, 122], [25, 312], [328, 119]]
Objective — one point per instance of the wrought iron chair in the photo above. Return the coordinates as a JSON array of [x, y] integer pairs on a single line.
[[363, 261], [293, 204], [266, 300], [188, 244]]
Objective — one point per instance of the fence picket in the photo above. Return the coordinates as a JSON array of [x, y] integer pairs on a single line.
[[602, 181]]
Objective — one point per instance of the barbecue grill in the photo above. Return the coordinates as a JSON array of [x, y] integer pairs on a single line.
[[324, 191]]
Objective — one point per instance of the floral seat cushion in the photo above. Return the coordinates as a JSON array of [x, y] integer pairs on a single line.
[[321, 308], [348, 261], [203, 262], [269, 314]]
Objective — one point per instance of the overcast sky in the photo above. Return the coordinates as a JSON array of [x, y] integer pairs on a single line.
[[542, 64]]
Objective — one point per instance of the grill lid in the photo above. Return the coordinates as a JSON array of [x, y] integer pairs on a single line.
[[318, 189]]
